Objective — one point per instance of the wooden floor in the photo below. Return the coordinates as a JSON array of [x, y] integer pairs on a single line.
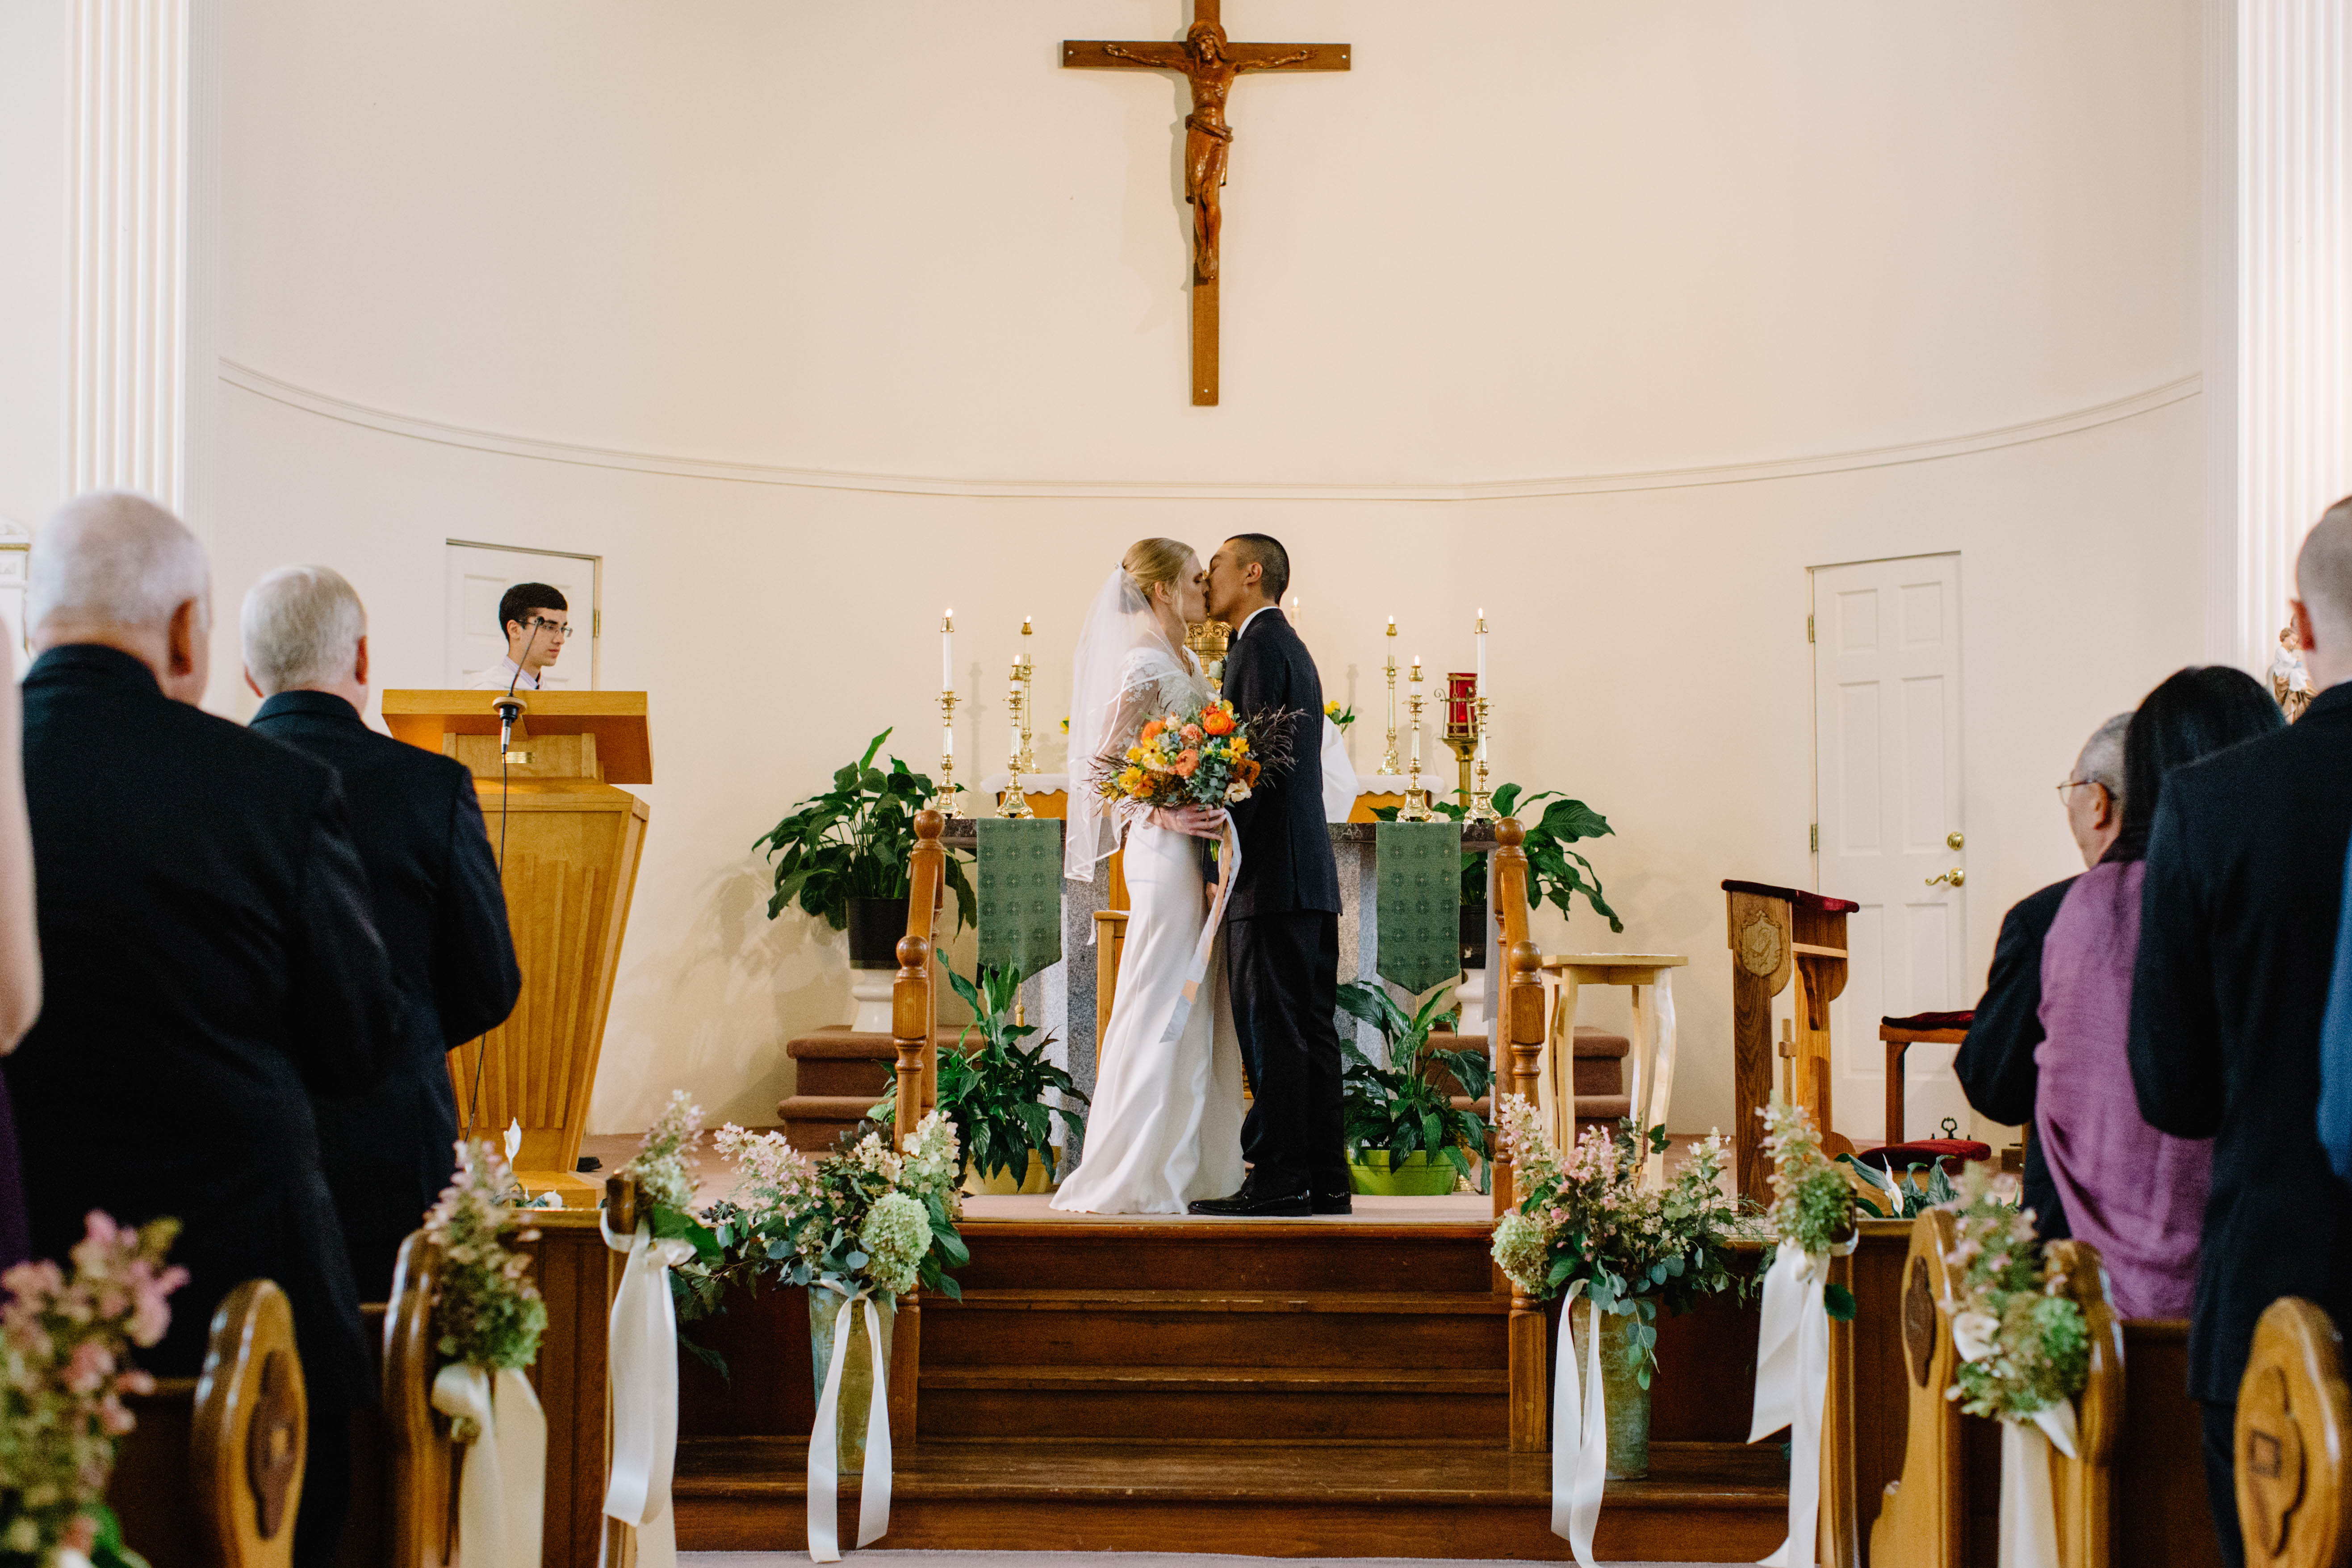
[[1404, 1494]]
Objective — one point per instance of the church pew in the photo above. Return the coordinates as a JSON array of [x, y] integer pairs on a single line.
[[420, 1459], [2295, 1442], [212, 1475]]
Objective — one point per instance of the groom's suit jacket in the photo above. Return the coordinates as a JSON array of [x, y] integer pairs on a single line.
[[1286, 863]]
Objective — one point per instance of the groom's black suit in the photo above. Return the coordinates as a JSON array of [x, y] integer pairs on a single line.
[[1282, 943]]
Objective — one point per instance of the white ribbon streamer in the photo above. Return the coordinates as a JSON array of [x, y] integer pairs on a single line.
[[642, 1345], [824, 1442], [1580, 1433], [2029, 1513], [1793, 1384], [502, 1483]]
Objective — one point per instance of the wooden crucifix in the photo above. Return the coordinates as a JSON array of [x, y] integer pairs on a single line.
[[1211, 64]]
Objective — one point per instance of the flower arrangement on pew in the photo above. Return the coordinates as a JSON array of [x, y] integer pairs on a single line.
[[1814, 1207], [2024, 1349], [860, 1219], [1590, 1221], [486, 1312], [666, 1168], [64, 1369]]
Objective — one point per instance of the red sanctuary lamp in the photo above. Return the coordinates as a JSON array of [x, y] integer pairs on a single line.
[[1462, 725]]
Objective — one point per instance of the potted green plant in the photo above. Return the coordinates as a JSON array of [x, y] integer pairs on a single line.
[[845, 857], [1405, 1136], [1556, 874], [995, 1095]]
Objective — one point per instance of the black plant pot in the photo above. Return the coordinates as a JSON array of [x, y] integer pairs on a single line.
[[1474, 936], [874, 927]]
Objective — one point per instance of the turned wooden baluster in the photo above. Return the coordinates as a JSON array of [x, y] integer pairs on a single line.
[[1522, 1037], [912, 1009]]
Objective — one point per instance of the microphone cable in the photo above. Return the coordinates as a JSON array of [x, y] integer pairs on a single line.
[[506, 736]]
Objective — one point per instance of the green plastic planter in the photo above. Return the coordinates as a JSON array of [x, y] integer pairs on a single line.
[[1420, 1176]]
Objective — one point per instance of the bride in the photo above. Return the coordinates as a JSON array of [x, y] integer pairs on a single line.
[[1165, 1126]]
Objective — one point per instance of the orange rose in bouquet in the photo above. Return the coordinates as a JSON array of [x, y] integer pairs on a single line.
[[1204, 757]]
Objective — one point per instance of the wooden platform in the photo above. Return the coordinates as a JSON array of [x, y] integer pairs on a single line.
[[1330, 1387]]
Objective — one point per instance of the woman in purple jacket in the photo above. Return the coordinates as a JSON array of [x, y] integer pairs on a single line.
[[2136, 1193]]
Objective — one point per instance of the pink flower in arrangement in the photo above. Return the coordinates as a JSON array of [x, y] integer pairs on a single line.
[[1193, 733], [1187, 762], [79, 1535], [86, 1369]]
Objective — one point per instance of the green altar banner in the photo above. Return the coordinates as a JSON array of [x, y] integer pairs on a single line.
[[1020, 893], [1419, 918]]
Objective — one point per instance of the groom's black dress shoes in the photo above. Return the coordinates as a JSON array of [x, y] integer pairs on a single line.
[[1255, 1202], [1340, 1202]]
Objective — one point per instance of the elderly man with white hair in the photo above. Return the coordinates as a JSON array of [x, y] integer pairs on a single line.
[[2238, 925], [210, 961], [437, 903]]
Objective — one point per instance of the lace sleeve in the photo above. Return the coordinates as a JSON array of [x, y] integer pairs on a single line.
[[1150, 685]]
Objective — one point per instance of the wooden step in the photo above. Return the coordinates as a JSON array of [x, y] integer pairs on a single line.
[[1211, 1328], [1273, 1255], [1410, 1492], [1128, 1403]]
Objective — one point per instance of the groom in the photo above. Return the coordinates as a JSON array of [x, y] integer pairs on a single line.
[[1282, 933]]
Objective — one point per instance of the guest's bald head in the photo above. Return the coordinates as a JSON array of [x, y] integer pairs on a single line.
[[114, 569]]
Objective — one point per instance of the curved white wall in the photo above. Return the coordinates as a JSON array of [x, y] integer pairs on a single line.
[[1523, 240]]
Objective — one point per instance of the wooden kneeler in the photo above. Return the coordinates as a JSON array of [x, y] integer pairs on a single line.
[[1924, 1521], [212, 1475], [2295, 1442]]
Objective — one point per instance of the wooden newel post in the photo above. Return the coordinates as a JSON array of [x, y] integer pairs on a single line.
[[911, 992], [1522, 1037]]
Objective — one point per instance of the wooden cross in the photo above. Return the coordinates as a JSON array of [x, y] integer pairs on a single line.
[[1211, 64]]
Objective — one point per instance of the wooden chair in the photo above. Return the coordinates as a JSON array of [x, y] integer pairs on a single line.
[[2294, 1418], [1950, 1473], [421, 1457], [212, 1476]]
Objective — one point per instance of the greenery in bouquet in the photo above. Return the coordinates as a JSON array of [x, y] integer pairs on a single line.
[[865, 1218], [1814, 1208], [1340, 714], [2023, 1341], [1203, 755], [1556, 873], [995, 1097], [856, 840], [1396, 1108], [486, 1312], [1591, 1218], [64, 1369]]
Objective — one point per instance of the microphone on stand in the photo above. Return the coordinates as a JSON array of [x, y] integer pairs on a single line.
[[509, 707]]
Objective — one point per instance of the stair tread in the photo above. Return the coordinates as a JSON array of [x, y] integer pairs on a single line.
[[1446, 1302], [824, 1106], [1309, 1379], [842, 1044]]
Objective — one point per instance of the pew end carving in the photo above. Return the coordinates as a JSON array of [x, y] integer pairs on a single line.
[[422, 1457], [1922, 1521], [2294, 1420]]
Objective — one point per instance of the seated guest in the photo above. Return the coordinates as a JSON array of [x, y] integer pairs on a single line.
[[2245, 867], [1995, 1063], [20, 947], [209, 961], [437, 903], [2136, 1193], [536, 622]]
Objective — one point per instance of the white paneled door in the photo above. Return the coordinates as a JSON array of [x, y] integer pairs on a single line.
[[1886, 783], [478, 575]]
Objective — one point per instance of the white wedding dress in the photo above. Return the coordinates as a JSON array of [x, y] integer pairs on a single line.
[[1164, 1126]]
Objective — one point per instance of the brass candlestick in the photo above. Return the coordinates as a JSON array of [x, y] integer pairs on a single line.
[[944, 799], [1013, 802], [1416, 799], [1462, 739], [1481, 799], [1027, 672], [1389, 758]]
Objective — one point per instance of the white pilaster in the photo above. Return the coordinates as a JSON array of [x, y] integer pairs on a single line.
[[2293, 294]]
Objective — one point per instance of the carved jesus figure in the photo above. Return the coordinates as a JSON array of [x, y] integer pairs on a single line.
[[1209, 65]]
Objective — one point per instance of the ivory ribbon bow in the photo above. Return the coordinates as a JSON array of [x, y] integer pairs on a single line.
[[502, 1487], [643, 1348], [1792, 1384], [1580, 1434], [2029, 1513], [824, 1442]]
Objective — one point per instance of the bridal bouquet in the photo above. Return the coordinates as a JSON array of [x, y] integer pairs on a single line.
[[1199, 756], [64, 1369]]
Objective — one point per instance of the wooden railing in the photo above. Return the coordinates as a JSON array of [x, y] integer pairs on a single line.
[[914, 1004], [1521, 1037]]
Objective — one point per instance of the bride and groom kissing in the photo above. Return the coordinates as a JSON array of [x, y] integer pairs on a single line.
[[1167, 1134]]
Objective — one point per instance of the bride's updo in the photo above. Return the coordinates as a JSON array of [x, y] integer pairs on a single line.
[[1153, 562]]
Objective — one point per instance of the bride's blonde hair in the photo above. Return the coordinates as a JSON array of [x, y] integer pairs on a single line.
[[1151, 562]]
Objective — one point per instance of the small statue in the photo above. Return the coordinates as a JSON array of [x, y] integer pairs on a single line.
[[2290, 682]]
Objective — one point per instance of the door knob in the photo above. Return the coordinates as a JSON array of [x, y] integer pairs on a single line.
[[1955, 839], [1955, 876]]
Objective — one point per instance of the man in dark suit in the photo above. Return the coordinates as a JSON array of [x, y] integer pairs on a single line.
[[1282, 935], [209, 961], [2245, 863], [1995, 1064], [438, 905]]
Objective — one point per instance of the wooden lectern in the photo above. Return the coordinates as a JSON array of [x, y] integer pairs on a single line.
[[571, 848], [1777, 931]]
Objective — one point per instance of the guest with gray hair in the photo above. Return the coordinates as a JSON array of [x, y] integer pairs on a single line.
[[1995, 1064], [210, 962], [437, 902]]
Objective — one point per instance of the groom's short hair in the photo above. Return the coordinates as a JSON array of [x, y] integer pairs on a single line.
[[1266, 552]]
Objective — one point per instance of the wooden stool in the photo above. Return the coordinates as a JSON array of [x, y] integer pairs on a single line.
[[2294, 1420]]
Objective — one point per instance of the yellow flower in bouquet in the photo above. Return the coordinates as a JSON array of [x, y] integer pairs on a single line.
[[1194, 757]]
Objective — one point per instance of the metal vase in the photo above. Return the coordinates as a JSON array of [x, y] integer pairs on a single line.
[[1628, 1401], [858, 1371]]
